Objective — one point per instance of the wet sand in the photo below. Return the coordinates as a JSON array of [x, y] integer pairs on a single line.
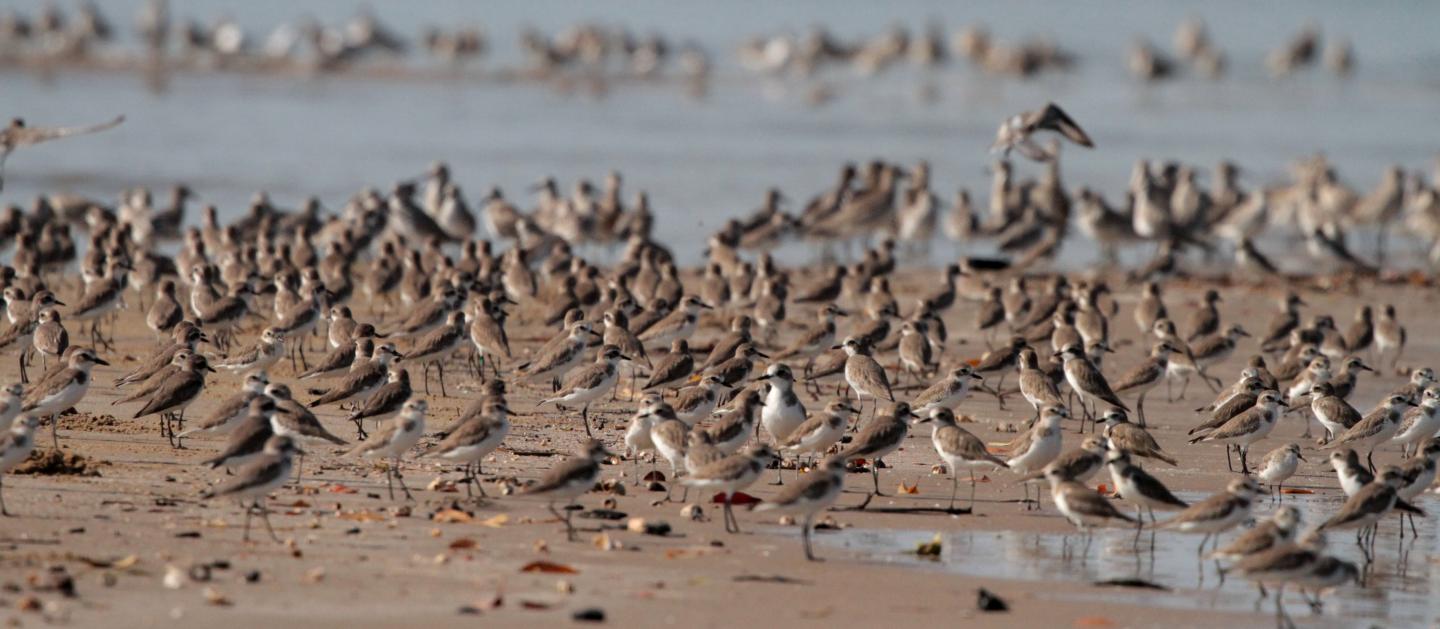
[[354, 557]]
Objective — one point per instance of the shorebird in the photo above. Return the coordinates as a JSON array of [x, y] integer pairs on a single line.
[[1088, 382], [1377, 427], [811, 494], [1132, 439], [724, 347], [1016, 131], [917, 356], [1316, 372], [1083, 506], [248, 439], [1245, 429], [783, 411], [1215, 348], [1037, 447], [487, 333], [1420, 379], [1301, 564], [1144, 376], [18, 135], [56, 394], [294, 420], [394, 440], [822, 430], [1218, 513], [1278, 466], [1276, 531], [730, 475], [362, 379], [176, 394], [1150, 308], [50, 337], [864, 374], [185, 336], [569, 480], [102, 298], [587, 385], [958, 448], [947, 392], [671, 439], [437, 346], [1001, 359], [736, 371], [1420, 423], [1182, 363], [11, 399], [343, 359], [267, 351], [1138, 487], [695, 403], [1335, 414], [679, 324], [1286, 321], [734, 424], [1364, 509], [16, 444], [231, 411], [257, 478], [474, 439], [1389, 334], [557, 360], [1078, 464], [674, 367], [387, 400], [881, 436], [1351, 474]]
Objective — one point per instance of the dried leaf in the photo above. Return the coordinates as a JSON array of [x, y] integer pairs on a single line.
[[463, 543], [1094, 622], [299, 503], [549, 567], [495, 522], [362, 516], [452, 516], [973, 362], [337, 488], [908, 489], [1102, 489], [214, 597], [535, 605], [1296, 491], [740, 498]]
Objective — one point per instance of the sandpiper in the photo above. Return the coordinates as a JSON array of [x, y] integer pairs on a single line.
[[881, 436], [1421, 423], [16, 444], [1218, 513], [1245, 429], [1351, 474], [1037, 447], [959, 448], [587, 385], [394, 440], [267, 351], [18, 135], [1377, 427], [1132, 439], [1016, 131], [1145, 376], [571, 479], [54, 395], [257, 478], [811, 494], [1138, 487], [947, 392], [730, 475], [1278, 466]]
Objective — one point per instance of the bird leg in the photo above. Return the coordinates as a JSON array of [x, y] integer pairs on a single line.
[[585, 416], [1140, 408], [805, 537], [395, 469]]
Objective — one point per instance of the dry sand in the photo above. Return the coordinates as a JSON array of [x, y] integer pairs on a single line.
[[353, 557]]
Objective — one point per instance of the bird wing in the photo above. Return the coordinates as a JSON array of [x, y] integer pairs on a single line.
[[29, 136]]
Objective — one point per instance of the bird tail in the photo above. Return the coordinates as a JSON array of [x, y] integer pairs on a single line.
[[1166, 458], [1401, 505]]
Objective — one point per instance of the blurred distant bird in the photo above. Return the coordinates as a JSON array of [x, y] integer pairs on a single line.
[[1016, 131], [17, 135]]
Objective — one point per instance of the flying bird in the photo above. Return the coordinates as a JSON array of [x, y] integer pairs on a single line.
[[1016, 131], [17, 135]]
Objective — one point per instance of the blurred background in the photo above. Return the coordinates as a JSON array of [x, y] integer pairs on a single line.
[[702, 105]]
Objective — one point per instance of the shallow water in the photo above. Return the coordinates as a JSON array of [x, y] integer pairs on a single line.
[[1399, 590], [704, 160]]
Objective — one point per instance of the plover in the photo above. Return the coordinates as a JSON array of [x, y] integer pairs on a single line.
[[185, 335], [18, 135], [1079, 464], [1215, 348], [1371, 502], [1083, 506], [474, 439], [1088, 382], [487, 333], [679, 324], [882, 435], [555, 361], [730, 475], [248, 439], [822, 430], [294, 420], [734, 425], [394, 440], [674, 367], [724, 347], [1182, 364], [267, 351], [1273, 532], [101, 299], [11, 399], [736, 371], [783, 411], [1016, 131], [569, 480], [1150, 308], [362, 379], [637, 434], [231, 411], [1278, 466], [436, 347], [958, 448], [1344, 381], [1138, 487], [1389, 334], [1377, 427], [1205, 318], [176, 394], [811, 494], [50, 337], [16, 444], [257, 478], [1334, 414], [1420, 379], [1351, 474], [387, 400], [1144, 376], [1421, 423], [917, 357], [1001, 360], [1218, 513], [1132, 439], [65, 389], [697, 402], [1245, 429], [671, 438], [864, 374], [591, 383], [1361, 333], [948, 392], [1037, 447], [343, 359], [815, 340]]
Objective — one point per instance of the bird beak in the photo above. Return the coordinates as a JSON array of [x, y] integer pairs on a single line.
[[842, 313], [399, 356], [209, 369], [762, 354], [1301, 457], [59, 303], [102, 361], [1366, 367], [977, 376], [707, 306], [1056, 355], [764, 377], [837, 347]]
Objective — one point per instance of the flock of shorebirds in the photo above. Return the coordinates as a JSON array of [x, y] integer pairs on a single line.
[[52, 37], [259, 288]]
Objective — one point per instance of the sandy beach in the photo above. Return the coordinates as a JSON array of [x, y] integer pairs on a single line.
[[351, 556]]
